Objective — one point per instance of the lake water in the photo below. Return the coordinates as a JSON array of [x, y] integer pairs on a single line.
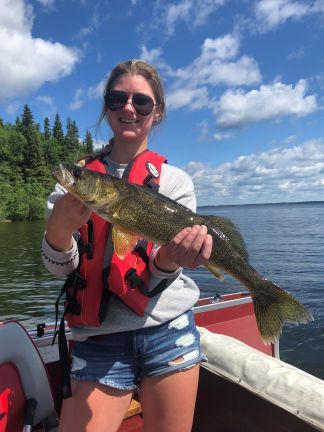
[[285, 242]]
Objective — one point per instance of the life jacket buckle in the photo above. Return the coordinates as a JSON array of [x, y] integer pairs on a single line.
[[86, 248], [132, 277], [148, 181]]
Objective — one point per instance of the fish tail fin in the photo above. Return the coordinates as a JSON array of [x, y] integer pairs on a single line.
[[273, 306]]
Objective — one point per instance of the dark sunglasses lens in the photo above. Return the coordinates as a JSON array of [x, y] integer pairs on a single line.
[[116, 101], [143, 104]]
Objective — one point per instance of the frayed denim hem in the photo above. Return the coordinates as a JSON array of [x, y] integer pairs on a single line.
[[98, 380]]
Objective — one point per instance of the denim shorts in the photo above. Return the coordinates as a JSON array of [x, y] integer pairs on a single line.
[[119, 360]]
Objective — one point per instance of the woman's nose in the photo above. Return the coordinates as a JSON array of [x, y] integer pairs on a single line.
[[129, 104]]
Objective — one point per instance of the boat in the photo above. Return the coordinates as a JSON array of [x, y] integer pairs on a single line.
[[243, 387]]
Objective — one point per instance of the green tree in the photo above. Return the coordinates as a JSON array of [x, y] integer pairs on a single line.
[[47, 129], [26, 157], [57, 132], [72, 136], [34, 162], [27, 119], [88, 143]]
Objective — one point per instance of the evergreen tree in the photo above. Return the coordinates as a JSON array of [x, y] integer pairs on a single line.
[[27, 118], [72, 136], [72, 143], [47, 129], [26, 156], [76, 138], [34, 163], [18, 123], [88, 143], [58, 130]]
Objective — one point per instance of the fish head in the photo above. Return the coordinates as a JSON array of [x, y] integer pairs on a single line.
[[64, 175], [87, 185]]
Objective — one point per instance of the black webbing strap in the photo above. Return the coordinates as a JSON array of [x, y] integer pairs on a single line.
[[136, 282], [72, 306], [62, 343], [148, 181], [141, 250], [64, 361]]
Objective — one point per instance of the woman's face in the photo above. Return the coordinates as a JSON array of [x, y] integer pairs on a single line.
[[128, 125]]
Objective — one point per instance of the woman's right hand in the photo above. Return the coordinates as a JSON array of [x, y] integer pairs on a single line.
[[67, 216]]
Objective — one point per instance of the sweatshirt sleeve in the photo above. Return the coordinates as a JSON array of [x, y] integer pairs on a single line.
[[59, 263]]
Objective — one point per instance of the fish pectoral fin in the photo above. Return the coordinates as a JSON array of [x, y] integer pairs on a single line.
[[124, 242], [215, 271]]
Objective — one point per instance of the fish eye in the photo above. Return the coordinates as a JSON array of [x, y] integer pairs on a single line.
[[77, 172]]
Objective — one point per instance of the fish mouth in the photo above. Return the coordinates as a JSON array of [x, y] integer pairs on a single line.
[[63, 176]]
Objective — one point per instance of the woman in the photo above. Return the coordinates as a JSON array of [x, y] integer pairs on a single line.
[[142, 341]]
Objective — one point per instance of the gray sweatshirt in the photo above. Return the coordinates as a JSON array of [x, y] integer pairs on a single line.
[[181, 294]]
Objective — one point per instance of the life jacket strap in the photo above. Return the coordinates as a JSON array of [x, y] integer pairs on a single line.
[[64, 361], [88, 246], [135, 281], [148, 181]]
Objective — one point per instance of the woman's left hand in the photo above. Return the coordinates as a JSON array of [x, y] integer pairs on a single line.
[[190, 248]]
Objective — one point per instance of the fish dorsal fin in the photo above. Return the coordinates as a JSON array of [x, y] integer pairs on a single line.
[[124, 242], [232, 233]]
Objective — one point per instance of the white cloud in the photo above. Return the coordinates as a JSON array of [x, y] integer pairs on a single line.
[[99, 144], [48, 106], [206, 135], [216, 65], [237, 108], [152, 56], [221, 136], [47, 3], [193, 12], [278, 175], [26, 63], [78, 100], [297, 55], [194, 99], [95, 21], [271, 13], [289, 139], [96, 92], [46, 100]]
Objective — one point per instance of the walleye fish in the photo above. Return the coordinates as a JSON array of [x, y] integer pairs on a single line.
[[137, 212]]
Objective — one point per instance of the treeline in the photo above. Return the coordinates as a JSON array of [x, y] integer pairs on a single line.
[[27, 155]]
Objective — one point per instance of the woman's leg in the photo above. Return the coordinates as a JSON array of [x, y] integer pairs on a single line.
[[94, 407], [168, 401]]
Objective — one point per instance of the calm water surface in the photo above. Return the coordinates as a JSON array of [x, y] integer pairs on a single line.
[[285, 242]]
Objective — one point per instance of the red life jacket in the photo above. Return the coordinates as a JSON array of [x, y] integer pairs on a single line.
[[89, 292]]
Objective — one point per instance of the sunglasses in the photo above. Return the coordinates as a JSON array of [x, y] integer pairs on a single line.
[[116, 100]]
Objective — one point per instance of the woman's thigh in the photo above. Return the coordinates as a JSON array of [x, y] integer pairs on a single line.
[[94, 407], [168, 401]]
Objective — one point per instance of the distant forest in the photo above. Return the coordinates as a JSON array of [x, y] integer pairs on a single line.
[[27, 155]]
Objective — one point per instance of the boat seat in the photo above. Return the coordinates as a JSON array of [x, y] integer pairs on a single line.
[[133, 409], [23, 377]]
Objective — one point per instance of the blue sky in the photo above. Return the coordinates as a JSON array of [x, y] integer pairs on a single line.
[[244, 82]]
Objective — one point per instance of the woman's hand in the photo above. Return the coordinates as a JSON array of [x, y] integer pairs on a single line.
[[68, 215], [190, 248]]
